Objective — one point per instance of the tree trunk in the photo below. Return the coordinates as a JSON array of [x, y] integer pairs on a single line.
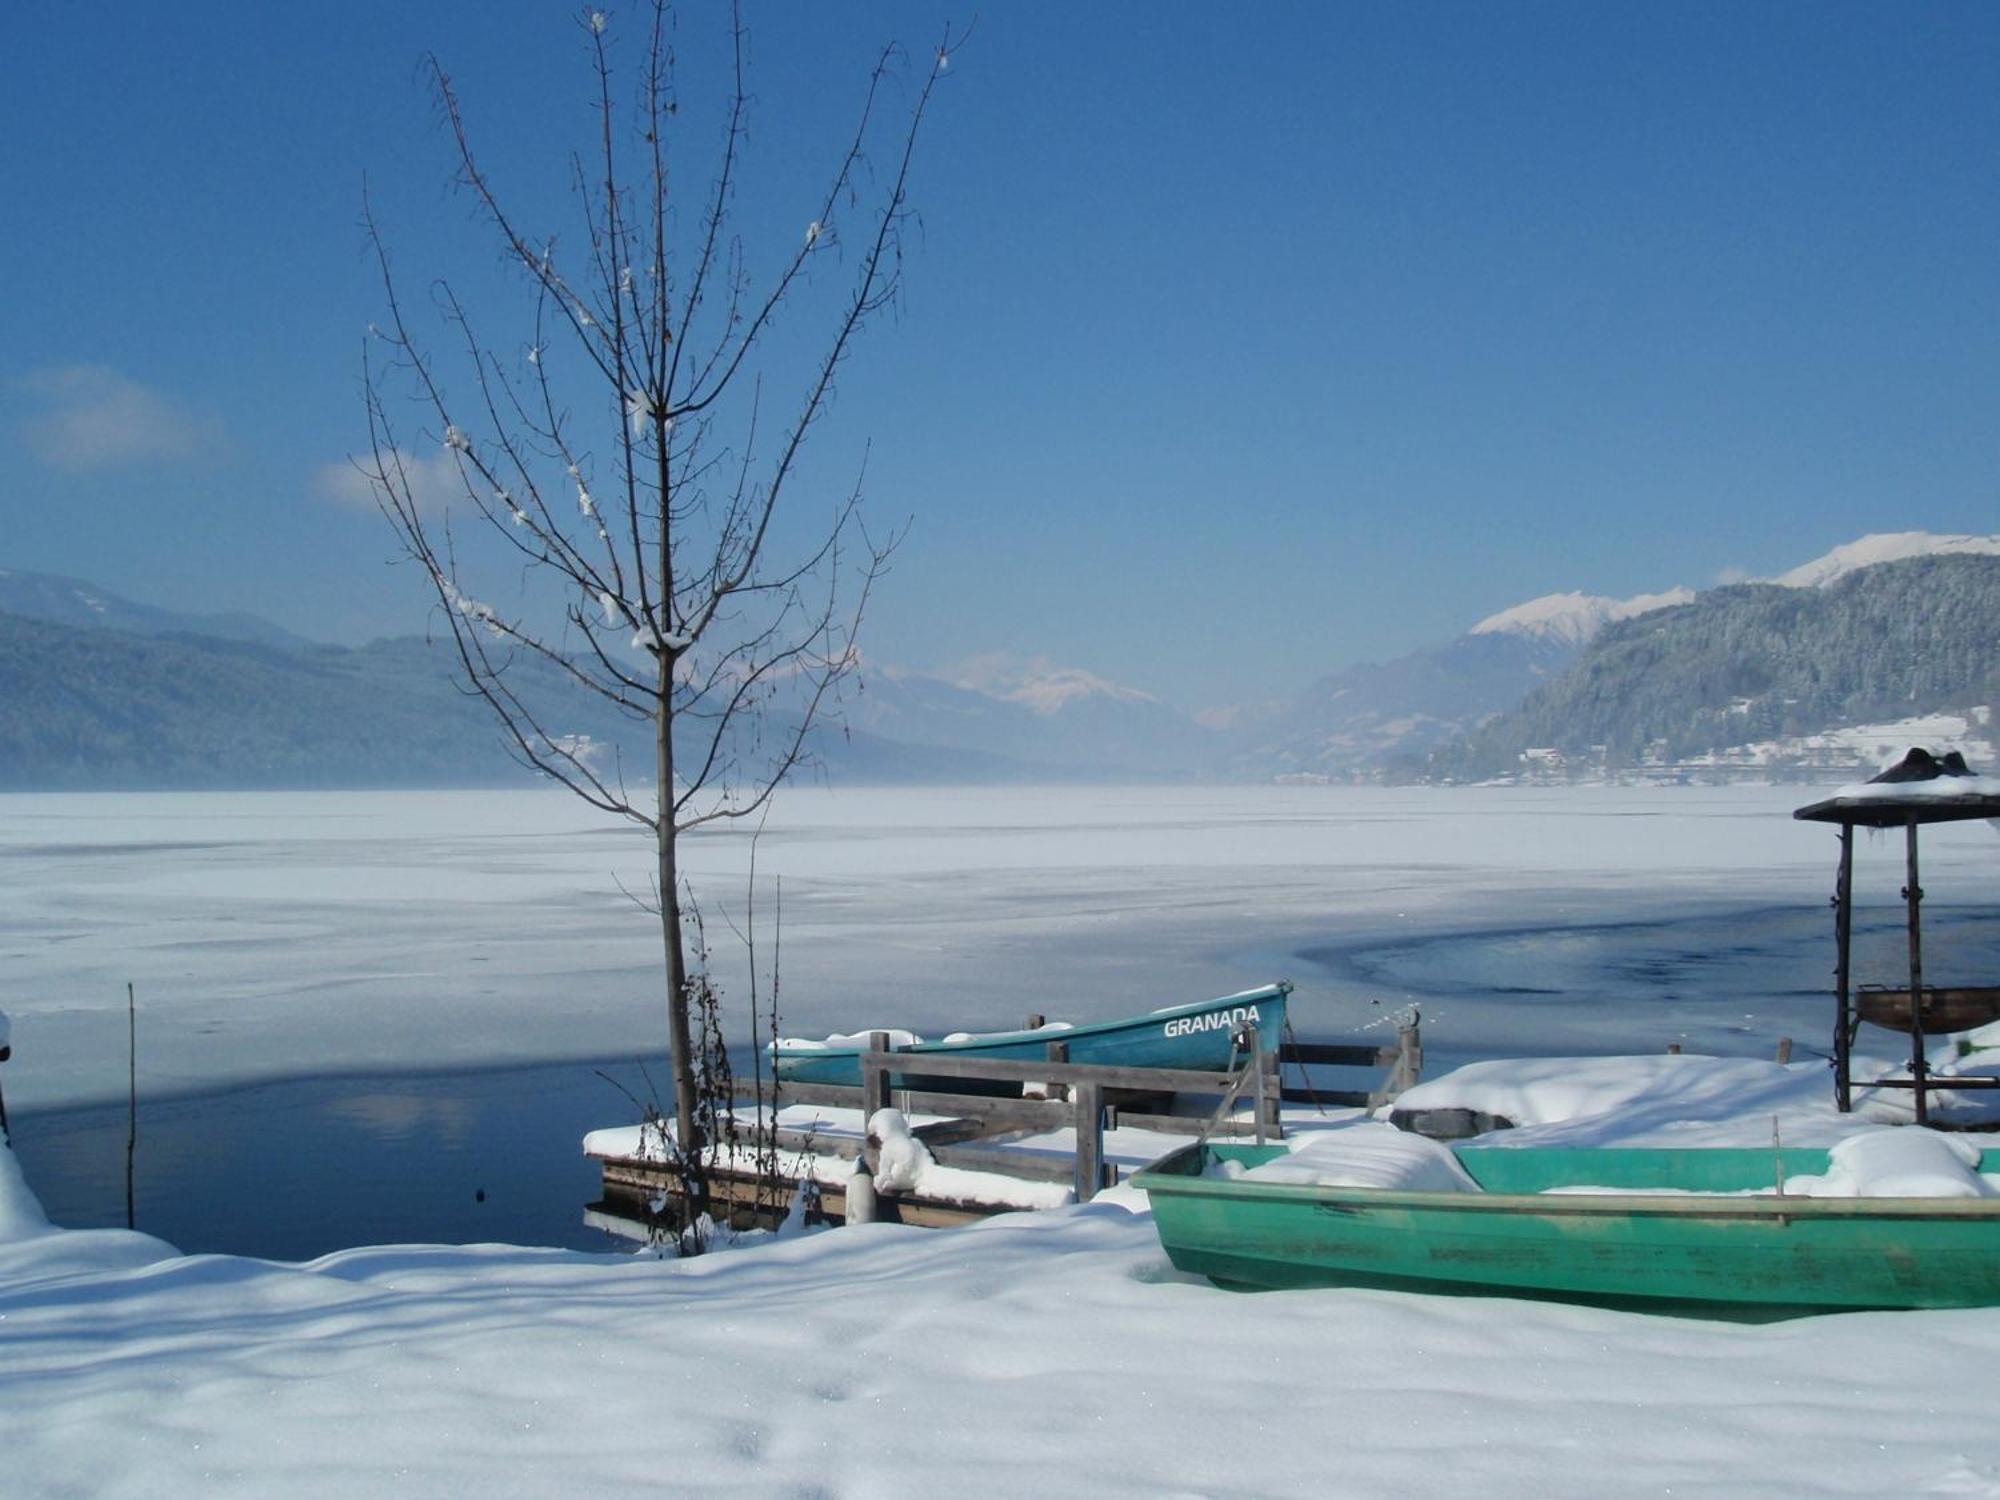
[[680, 1043]]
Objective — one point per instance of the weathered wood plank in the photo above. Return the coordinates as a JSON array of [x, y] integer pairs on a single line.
[[1343, 1098], [1338, 1055], [1089, 1101], [935, 1065], [1028, 1166]]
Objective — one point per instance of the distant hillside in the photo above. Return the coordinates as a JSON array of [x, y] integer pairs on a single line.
[[91, 707], [1385, 719], [84, 606], [1762, 661], [104, 708]]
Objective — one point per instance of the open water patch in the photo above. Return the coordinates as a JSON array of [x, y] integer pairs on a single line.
[[1730, 982], [293, 1169]]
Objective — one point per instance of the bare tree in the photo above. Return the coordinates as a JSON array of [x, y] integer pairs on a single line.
[[619, 464]]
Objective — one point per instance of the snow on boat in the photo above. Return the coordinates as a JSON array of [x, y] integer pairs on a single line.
[[1775, 1229], [1197, 1036]]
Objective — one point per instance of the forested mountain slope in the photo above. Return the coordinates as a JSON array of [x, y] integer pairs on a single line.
[[1759, 661]]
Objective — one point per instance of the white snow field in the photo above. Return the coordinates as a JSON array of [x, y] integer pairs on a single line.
[[1033, 1355], [272, 935]]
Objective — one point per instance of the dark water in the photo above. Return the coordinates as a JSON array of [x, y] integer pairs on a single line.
[[1731, 983], [294, 1169]]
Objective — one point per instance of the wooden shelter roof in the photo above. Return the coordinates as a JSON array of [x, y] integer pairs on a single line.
[[1919, 788]]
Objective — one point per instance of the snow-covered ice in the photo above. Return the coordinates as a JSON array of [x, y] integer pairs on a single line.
[[275, 934]]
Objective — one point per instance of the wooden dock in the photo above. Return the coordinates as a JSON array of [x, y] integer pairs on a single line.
[[1053, 1142]]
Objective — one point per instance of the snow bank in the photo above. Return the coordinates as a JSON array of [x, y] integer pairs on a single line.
[[21, 1215], [1361, 1156], [1031, 1355], [36, 1254]]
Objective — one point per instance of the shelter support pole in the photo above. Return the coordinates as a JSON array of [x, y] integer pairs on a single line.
[[1843, 939], [1913, 896]]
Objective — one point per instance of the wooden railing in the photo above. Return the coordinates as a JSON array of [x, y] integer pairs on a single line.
[[1085, 1110]]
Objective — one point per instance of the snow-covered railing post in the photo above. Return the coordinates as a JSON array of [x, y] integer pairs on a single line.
[[874, 1076], [1088, 1101], [861, 1193], [1409, 1068], [1250, 1042]]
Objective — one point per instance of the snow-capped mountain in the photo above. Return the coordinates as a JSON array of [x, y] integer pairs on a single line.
[[1037, 682], [1369, 719], [1575, 617], [1025, 718], [1879, 547]]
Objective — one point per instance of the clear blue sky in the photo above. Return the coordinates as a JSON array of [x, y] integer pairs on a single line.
[[1238, 343]]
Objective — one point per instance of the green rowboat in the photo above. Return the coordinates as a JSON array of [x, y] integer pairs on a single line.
[[1630, 1241]]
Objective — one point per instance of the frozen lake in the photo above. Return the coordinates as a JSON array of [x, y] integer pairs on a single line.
[[326, 981]]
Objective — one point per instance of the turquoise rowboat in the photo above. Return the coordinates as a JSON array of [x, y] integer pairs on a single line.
[[1199, 1036], [1628, 1247]]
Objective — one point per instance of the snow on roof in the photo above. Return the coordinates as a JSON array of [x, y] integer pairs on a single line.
[[1918, 788]]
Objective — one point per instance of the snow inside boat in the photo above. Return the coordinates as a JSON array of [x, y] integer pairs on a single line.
[[1197, 1036]]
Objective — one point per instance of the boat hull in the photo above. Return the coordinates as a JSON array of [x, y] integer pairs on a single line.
[[1796, 1254], [1198, 1036]]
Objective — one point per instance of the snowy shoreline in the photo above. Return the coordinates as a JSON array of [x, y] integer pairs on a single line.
[[1038, 1353]]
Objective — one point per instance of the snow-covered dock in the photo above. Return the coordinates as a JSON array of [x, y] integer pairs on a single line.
[[1068, 1131]]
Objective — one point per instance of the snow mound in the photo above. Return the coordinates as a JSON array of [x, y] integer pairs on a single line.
[[1362, 1156], [1879, 547], [1574, 618], [1661, 1099], [21, 1215], [903, 1164], [34, 1252], [1900, 1161]]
